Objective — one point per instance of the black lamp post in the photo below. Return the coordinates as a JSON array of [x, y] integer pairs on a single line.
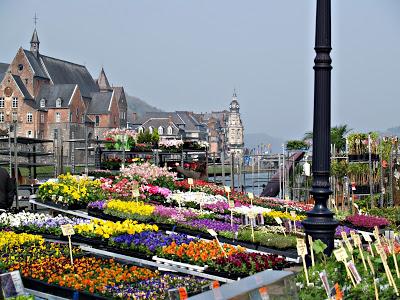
[[320, 223]]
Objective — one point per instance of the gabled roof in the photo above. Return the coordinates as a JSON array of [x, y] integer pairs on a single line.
[[102, 81], [118, 90], [100, 103], [65, 72], [36, 65], [22, 87], [52, 92]]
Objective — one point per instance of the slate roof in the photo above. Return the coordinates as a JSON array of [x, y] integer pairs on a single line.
[[64, 72], [184, 119], [22, 87], [102, 81], [100, 103], [3, 67], [155, 123], [35, 38], [36, 65], [52, 92]]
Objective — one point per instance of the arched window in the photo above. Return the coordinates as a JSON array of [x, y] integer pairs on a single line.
[[42, 102], [151, 129], [140, 129], [169, 130], [160, 130], [58, 102]]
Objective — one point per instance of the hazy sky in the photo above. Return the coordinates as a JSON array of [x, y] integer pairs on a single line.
[[190, 54]]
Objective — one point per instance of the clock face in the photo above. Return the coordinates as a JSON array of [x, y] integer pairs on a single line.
[[8, 91]]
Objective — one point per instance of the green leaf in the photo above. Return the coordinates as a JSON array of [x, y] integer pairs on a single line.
[[319, 246]]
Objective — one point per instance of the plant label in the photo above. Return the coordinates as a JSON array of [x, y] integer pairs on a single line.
[[357, 240], [278, 220], [366, 237], [190, 181], [251, 196], [67, 229], [354, 271], [231, 204], [344, 235], [310, 242], [135, 193], [293, 214], [263, 291], [11, 285], [301, 248], [227, 189], [251, 215], [380, 250], [212, 232], [349, 246], [340, 254], [325, 283], [376, 234]]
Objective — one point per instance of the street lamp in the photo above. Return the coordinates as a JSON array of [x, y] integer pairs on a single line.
[[320, 223]]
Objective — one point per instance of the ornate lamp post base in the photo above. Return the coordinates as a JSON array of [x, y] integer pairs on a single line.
[[321, 225]]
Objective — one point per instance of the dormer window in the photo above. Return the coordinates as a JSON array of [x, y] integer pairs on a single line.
[[169, 130], [151, 130], [42, 103], [140, 130], [58, 102], [160, 130]]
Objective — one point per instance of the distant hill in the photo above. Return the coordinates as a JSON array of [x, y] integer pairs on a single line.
[[138, 106], [392, 131], [252, 140]]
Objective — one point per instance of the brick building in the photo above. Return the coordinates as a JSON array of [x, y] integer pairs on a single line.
[[52, 98]]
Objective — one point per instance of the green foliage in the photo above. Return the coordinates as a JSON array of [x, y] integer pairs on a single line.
[[266, 239], [148, 138], [339, 168], [296, 145]]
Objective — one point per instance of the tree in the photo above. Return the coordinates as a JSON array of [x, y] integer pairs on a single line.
[[338, 139]]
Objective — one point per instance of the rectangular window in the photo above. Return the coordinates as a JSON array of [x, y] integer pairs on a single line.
[[29, 134], [1, 117], [83, 118], [42, 118], [55, 136], [70, 116], [58, 117], [1, 102], [29, 117], [15, 102], [97, 122], [15, 116]]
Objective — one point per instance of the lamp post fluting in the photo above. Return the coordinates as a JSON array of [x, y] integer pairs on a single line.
[[320, 223]]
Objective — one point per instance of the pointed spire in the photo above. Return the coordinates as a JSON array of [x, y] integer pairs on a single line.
[[102, 82], [234, 93], [35, 42]]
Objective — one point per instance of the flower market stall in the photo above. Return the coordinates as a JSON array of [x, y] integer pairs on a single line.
[[142, 226]]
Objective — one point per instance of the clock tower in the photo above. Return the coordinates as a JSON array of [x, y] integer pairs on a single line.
[[235, 140]]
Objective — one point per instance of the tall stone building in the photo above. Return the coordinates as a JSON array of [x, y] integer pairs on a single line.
[[235, 137], [52, 98]]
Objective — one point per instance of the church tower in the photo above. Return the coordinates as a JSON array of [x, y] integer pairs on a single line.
[[235, 138]]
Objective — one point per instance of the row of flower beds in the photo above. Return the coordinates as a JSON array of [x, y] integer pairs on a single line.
[[139, 240], [47, 266]]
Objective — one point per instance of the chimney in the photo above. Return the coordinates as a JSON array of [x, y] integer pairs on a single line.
[[134, 117]]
